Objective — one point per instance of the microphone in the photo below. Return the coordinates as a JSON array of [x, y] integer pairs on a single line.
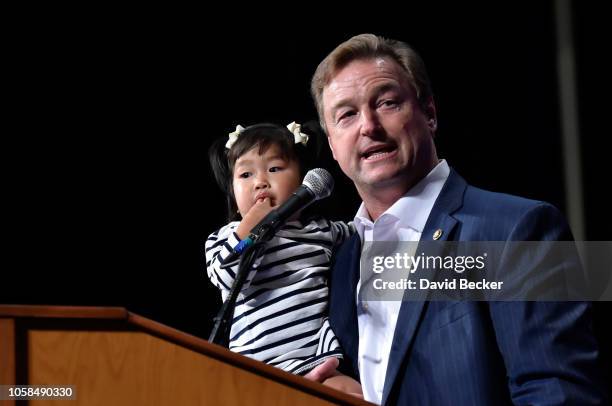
[[318, 184]]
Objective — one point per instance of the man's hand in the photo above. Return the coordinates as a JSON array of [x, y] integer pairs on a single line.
[[345, 384], [327, 374], [323, 371]]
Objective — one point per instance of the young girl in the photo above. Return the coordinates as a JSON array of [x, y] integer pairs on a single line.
[[280, 315]]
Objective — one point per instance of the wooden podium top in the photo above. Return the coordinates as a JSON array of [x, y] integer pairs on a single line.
[[122, 318]]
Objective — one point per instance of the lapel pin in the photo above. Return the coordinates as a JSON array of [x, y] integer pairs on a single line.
[[437, 234]]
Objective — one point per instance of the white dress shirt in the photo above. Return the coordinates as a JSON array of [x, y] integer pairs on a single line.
[[404, 221]]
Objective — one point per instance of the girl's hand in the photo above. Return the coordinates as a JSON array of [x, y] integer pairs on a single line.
[[255, 214]]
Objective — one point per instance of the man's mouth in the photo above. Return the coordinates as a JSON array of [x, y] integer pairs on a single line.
[[378, 152]]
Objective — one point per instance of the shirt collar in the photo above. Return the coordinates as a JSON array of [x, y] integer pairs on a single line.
[[412, 209]]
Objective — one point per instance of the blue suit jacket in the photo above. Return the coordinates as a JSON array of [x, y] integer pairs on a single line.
[[478, 353]]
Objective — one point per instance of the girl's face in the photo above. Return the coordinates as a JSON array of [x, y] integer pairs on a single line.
[[260, 176]]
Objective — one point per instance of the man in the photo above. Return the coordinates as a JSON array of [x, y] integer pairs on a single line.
[[375, 103]]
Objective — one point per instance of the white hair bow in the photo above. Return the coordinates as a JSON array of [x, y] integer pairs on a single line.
[[233, 136], [298, 136]]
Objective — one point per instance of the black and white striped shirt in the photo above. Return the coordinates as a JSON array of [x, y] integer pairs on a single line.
[[281, 312]]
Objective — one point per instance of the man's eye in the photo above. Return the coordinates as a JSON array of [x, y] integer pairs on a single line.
[[244, 175], [345, 115], [388, 103], [276, 168]]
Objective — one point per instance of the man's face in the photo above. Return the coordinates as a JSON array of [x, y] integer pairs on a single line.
[[377, 131]]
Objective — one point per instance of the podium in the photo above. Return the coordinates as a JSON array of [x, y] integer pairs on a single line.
[[111, 356]]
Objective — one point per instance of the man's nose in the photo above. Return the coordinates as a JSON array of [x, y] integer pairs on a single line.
[[370, 123]]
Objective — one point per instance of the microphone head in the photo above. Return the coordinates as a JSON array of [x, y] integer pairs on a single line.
[[320, 182]]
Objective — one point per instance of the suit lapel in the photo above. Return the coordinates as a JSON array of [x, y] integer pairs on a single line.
[[449, 201], [342, 304]]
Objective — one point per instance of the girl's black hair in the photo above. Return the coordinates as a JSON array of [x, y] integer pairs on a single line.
[[262, 136]]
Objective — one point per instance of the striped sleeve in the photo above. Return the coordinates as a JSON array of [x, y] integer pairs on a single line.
[[222, 267], [341, 231]]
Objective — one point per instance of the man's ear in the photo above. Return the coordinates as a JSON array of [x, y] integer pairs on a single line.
[[432, 117], [331, 147]]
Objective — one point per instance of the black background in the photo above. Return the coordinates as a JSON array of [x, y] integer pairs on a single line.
[[108, 189]]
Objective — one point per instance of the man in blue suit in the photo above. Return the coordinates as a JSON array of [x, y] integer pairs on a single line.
[[375, 103]]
